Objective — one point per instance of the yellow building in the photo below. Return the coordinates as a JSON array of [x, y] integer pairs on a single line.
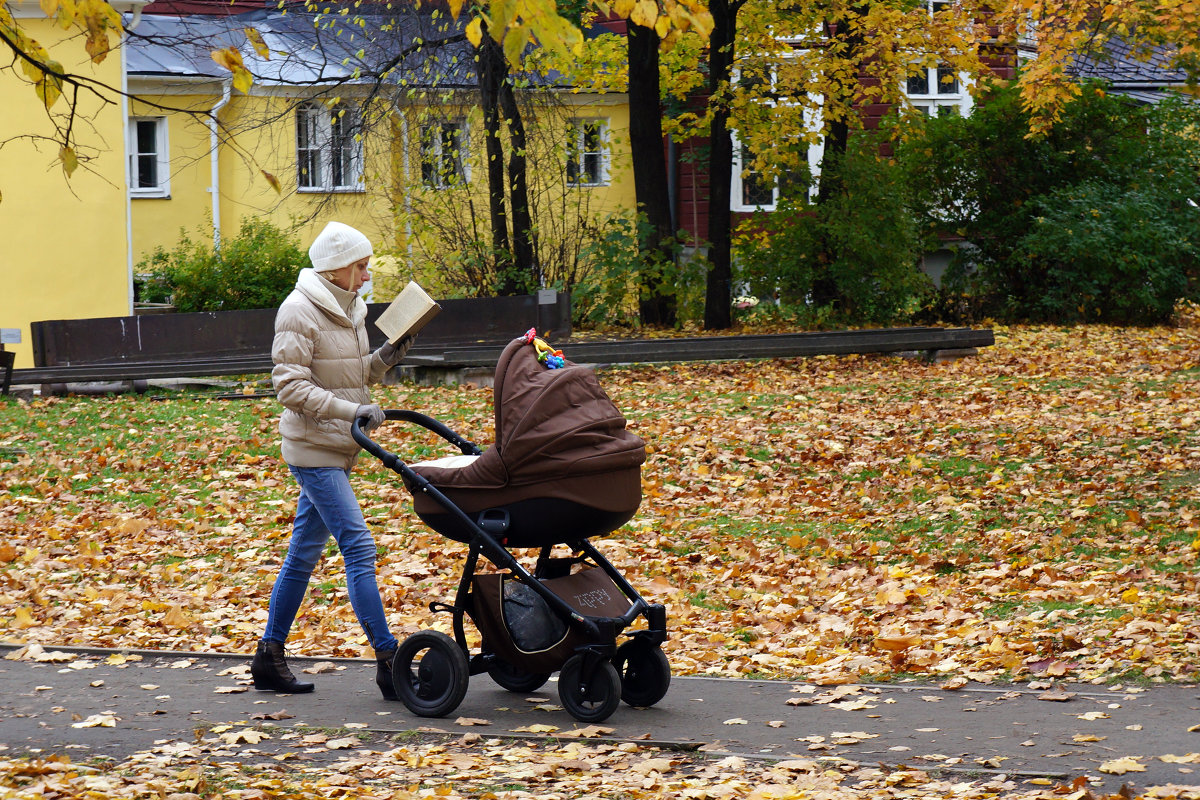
[[201, 150], [66, 246], [310, 141]]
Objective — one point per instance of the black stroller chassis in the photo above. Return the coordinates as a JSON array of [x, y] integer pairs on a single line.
[[566, 614]]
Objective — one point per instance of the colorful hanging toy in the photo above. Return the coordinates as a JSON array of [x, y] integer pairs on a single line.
[[547, 355]]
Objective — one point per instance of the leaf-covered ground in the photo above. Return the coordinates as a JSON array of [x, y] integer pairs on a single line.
[[485, 769], [1032, 511]]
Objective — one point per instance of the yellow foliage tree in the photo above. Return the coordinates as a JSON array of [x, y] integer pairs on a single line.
[[847, 40]]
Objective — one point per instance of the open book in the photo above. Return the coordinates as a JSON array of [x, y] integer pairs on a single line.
[[407, 314]]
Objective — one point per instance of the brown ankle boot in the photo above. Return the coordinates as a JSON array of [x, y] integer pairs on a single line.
[[271, 673], [383, 673]]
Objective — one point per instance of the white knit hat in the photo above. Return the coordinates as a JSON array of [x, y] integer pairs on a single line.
[[337, 246]]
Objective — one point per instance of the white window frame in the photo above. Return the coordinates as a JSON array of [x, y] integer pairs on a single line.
[[742, 175], [578, 152], [937, 98], [438, 165], [816, 151], [939, 95], [328, 142], [159, 157]]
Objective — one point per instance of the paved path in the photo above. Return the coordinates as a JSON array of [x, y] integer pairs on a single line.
[[976, 730]]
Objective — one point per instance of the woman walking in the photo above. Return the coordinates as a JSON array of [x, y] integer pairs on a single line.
[[323, 366]]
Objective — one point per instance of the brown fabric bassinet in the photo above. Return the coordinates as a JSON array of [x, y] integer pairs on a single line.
[[563, 466]]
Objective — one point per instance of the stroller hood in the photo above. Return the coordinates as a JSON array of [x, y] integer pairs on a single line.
[[556, 423], [557, 432]]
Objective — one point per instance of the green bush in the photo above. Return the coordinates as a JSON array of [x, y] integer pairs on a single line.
[[851, 259], [776, 254], [610, 284], [255, 269], [606, 291], [1108, 253], [1090, 221]]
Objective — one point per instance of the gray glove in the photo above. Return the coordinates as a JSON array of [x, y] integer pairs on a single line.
[[374, 415], [391, 354]]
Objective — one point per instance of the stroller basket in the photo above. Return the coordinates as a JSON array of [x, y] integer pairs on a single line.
[[563, 470]]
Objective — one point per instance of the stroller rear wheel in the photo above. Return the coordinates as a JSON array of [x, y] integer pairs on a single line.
[[645, 672], [515, 679], [430, 674], [591, 699]]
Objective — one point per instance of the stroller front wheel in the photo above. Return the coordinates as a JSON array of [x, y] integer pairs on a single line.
[[430, 674], [589, 699], [645, 672]]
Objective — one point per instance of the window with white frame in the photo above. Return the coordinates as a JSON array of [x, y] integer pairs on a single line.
[[750, 189], [587, 155], [329, 150], [937, 91], [149, 174], [443, 145]]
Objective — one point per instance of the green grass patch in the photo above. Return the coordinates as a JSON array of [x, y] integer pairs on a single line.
[[701, 599], [1016, 608]]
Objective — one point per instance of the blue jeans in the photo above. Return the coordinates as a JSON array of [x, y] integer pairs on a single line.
[[327, 505]]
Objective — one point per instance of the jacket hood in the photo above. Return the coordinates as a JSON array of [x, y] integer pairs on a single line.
[[310, 284]]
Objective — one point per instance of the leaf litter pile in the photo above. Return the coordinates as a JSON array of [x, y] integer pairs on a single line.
[[1029, 513]]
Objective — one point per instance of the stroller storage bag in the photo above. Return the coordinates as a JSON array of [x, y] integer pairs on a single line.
[[518, 625]]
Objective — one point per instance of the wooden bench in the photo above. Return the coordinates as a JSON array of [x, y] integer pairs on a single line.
[[7, 357], [466, 337], [929, 341], [217, 343]]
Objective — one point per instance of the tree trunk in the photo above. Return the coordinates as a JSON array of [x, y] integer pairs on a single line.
[[825, 290], [718, 289], [492, 71], [524, 269], [657, 302]]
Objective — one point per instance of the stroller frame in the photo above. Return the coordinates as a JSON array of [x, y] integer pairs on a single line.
[[592, 681]]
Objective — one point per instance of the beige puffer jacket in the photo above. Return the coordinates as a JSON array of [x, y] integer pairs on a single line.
[[323, 366]]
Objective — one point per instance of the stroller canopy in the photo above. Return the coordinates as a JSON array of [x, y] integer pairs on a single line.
[[557, 434]]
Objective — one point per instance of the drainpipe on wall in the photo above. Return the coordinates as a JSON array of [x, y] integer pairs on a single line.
[[133, 23], [408, 230], [214, 157], [673, 182]]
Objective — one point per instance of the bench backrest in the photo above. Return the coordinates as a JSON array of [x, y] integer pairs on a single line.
[[217, 334]]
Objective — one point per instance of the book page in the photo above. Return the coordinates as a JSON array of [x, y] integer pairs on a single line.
[[407, 314]]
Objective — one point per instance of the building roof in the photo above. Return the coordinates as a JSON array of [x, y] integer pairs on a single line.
[[218, 8], [307, 49], [1146, 73]]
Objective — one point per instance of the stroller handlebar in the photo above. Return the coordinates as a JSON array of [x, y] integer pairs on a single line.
[[364, 441]]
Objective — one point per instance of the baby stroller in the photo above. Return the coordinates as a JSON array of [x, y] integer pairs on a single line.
[[563, 469]]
